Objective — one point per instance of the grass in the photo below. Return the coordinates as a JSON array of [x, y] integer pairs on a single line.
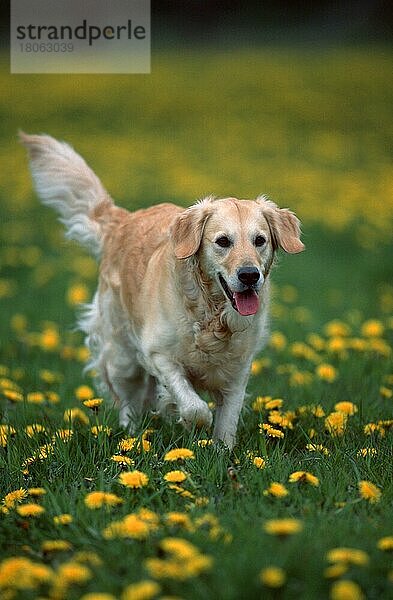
[[313, 131]]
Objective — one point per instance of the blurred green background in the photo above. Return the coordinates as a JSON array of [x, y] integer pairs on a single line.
[[312, 128]]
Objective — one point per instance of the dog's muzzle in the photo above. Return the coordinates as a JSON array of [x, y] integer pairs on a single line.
[[245, 302]]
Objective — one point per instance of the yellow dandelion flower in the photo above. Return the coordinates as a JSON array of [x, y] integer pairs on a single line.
[[372, 328], [318, 448], [76, 415], [283, 527], [55, 546], [150, 517], [63, 434], [86, 556], [317, 411], [274, 404], [127, 444], [260, 402], [5, 382], [77, 294], [145, 446], [385, 392], [36, 492], [175, 476], [379, 346], [97, 596], [259, 462], [257, 366], [35, 398], [385, 543], [132, 526], [316, 341], [335, 571], [283, 420], [44, 451], [97, 429], [94, 403], [337, 345], [84, 392], [272, 577], [7, 429], [179, 519], [352, 556], [357, 344], [335, 423], [18, 322], [204, 443], [123, 461], [299, 378], [53, 397], [30, 510], [13, 395], [133, 479], [181, 549], [301, 350], [337, 328], [369, 491], [348, 408], [98, 499], [181, 491], [23, 574], [143, 590], [326, 372], [49, 339], [371, 428], [49, 376], [63, 519], [364, 452], [304, 477], [278, 341], [278, 490], [179, 454], [346, 590], [73, 572], [13, 498], [32, 430], [270, 431]]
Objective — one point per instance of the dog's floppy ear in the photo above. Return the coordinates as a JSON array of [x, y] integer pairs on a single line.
[[284, 226], [187, 229]]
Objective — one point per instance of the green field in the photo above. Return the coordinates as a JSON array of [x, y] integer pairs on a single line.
[[315, 132]]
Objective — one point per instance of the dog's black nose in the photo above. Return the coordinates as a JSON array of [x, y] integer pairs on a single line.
[[248, 275]]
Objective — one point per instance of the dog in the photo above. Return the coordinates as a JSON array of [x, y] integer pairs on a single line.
[[183, 294]]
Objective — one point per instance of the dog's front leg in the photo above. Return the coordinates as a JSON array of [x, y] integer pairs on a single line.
[[192, 409], [228, 407]]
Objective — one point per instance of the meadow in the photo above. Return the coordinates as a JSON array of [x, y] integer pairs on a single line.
[[303, 506]]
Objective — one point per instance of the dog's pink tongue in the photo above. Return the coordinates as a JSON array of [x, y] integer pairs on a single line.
[[247, 303]]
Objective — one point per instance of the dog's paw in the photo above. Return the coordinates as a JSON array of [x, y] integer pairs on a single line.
[[224, 440], [196, 415]]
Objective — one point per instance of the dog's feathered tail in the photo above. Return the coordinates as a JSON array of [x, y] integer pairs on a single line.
[[65, 182]]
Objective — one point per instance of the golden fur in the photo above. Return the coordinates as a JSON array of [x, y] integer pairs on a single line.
[[183, 294]]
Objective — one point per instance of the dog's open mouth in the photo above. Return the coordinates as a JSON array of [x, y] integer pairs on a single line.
[[245, 303]]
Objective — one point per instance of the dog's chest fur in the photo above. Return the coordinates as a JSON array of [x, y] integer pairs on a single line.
[[214, 357], [217, 347]]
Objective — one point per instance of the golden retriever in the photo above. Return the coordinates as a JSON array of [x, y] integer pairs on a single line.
[[183, 294]]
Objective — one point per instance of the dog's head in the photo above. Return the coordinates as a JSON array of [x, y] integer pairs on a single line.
[[235, 241]]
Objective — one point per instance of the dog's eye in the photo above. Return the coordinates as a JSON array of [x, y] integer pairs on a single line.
[[260, 240], [223, 241]]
